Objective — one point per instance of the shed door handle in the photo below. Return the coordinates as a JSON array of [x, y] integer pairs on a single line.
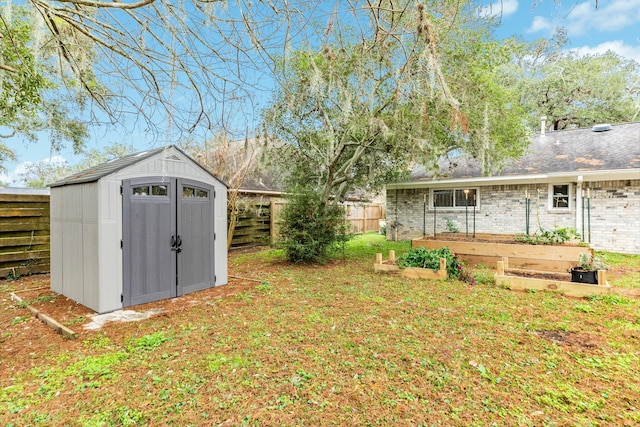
[[176, 242]]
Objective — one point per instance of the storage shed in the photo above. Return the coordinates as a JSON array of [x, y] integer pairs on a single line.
[[145, 227]]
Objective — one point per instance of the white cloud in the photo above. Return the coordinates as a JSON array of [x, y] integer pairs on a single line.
[[584, 18], [501, 8], [594, 28], [541, 24], [13, 178], [610, 17], [616, 46]]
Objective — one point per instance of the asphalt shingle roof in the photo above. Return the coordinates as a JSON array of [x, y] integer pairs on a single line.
[[103, 169], [560, 151]]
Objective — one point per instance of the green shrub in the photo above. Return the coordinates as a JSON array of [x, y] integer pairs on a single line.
[[311, 227], [423, 258], [556, 236]]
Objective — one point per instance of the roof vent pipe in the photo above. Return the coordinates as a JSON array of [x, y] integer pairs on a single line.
[[543, 125]]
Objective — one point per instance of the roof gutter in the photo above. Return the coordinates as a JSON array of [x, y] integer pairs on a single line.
[[604, 175], [260, 192]]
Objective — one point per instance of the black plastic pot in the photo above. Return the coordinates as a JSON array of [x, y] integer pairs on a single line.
[[580, 275]]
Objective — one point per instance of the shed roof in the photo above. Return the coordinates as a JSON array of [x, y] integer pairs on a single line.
[[575, 150], [97, 172]]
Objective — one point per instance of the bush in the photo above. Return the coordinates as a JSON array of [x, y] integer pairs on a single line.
[[423, 258], [311, 228], [558, 235]]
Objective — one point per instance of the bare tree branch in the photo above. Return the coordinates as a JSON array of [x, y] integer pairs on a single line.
[[8, 68], [115, 4]]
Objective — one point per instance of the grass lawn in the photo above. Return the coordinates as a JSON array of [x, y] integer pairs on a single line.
[[333, 345]]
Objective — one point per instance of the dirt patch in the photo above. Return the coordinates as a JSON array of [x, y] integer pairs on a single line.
[[560, 277], [34, 291], [618, 271], [569, 338], [626, 292], [461, 237]]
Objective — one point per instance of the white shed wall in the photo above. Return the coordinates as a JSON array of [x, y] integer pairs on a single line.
[[109, 235], [74, 243], [89, 243]]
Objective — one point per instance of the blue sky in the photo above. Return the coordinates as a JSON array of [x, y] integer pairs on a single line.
[[614, 25]]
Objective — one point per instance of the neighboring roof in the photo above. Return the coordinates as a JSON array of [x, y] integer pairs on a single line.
[[575, 151], [94, 173], [20, 190], [241, 160]]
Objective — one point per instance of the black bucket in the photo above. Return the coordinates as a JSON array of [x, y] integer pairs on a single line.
[[580, 275]]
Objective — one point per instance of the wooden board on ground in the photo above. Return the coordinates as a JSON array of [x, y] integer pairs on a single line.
[[49, 321]]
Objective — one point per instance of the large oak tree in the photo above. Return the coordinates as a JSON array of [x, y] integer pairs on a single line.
[[34, 97], [574, 90], [422, 82]]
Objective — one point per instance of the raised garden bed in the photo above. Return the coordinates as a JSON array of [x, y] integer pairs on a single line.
[[389, 267], [487, 249], [525, 280]]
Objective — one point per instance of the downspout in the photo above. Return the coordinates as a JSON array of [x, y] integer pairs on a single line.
[[579, 207]]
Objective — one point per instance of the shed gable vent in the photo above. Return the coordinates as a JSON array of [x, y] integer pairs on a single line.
[[601, 128]]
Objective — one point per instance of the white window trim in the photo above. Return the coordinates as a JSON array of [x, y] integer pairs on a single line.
[[454, 208], [550, 206]]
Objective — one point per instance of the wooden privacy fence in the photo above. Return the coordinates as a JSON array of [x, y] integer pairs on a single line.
[[362, 217], [24, 234], [253, 226]]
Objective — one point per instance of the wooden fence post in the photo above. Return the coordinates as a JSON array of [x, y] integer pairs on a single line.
[[500, 268], [602, 277]]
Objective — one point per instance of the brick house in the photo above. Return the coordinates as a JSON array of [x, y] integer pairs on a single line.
[[587, 179]]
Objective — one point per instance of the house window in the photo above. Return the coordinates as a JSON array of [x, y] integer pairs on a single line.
[[559, 196], [454, 198]]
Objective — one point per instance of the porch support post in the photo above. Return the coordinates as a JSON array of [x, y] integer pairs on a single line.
[[580, 208]]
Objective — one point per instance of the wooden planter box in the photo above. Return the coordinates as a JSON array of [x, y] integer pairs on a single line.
[[572, 289], [390, 267], [553, 258]]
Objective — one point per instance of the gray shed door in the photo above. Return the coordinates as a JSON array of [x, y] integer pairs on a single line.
[[168, 238]]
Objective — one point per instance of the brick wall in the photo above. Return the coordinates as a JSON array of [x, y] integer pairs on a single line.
[[615, 213], [615, 216]]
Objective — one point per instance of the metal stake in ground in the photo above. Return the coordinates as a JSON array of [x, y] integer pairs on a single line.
[[589, 213], [466, 211], [424, 214], [527, 207], [435, 203], [474, 215]]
